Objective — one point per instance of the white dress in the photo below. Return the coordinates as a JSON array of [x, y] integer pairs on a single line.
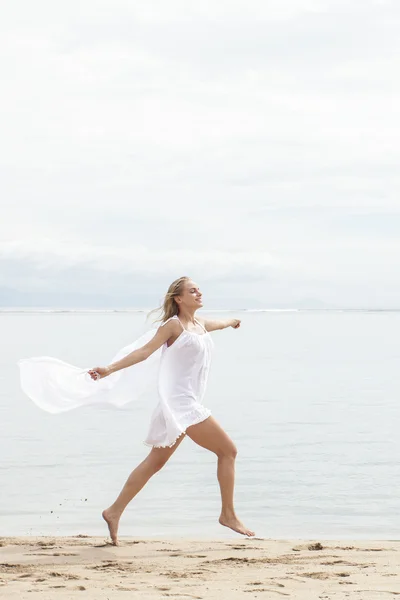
[[176, 375], [182, 379]]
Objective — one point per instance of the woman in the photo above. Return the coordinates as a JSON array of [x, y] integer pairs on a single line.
[[177, 358], [183, 374]]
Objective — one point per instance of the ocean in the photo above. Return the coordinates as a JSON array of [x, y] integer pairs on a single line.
[[311, 399]]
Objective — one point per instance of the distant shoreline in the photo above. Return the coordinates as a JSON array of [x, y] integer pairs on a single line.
[[39, 310]]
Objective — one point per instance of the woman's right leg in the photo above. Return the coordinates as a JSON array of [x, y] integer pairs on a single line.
[[135, 482], [210, 435]]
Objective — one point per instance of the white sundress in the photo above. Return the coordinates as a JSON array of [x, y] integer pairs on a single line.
[[182, 379], [177, 375]]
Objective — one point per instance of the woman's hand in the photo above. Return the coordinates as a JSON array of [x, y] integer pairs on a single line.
[[99, 373], [235, 323]]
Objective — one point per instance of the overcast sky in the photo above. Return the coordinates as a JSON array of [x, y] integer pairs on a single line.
[[251, 144]]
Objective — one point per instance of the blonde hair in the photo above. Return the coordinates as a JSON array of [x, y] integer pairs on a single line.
[[169, 307]]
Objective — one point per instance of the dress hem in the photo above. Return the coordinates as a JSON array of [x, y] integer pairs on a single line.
[[196, 422]]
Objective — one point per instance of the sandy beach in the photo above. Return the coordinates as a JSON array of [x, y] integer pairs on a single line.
[[81, 566]]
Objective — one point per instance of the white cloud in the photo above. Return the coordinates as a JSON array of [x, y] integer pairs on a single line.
[[43, 254], [224, 139]]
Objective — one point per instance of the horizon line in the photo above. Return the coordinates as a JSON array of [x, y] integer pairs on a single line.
[[39, 309]]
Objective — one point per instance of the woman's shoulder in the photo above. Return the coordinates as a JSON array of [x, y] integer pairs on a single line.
[[172, 323]]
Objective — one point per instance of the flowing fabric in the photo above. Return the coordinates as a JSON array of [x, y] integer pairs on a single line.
[[56, 386], [176, 375]]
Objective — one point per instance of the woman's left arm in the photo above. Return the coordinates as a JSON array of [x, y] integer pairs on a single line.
[[214, 325]]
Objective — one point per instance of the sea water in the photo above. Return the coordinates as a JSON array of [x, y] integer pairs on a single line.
[[310, 398]]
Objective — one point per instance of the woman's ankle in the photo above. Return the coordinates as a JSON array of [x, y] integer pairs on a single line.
[[228, 512]]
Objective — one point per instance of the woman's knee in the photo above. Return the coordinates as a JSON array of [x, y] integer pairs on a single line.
[[156, 461], [228, 451], [233, 451]]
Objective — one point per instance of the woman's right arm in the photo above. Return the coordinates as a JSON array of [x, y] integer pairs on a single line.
[[162, 335]]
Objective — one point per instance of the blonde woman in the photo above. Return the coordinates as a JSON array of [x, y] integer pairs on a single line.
[[177, 357], [184, 367]]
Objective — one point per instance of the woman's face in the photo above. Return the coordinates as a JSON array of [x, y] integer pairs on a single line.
[[191, 296]]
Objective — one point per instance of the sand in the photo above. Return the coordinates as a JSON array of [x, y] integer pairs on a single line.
[[148, 569]]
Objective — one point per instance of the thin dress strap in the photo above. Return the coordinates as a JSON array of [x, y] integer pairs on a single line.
[[201, 325], [180, 322], [170, 319]]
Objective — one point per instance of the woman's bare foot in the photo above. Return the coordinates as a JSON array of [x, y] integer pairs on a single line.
[[112, 520], [233, 522]]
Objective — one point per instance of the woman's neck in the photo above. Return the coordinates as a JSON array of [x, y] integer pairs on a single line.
[[187, 316]]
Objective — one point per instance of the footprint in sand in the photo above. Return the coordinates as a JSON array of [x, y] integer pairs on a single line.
[[13, 568], [121, 588]]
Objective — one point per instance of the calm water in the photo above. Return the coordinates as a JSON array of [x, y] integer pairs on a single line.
[[310, 398]]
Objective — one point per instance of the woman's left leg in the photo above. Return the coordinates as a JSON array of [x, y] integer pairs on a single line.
[[210, 435], [156, 459]]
